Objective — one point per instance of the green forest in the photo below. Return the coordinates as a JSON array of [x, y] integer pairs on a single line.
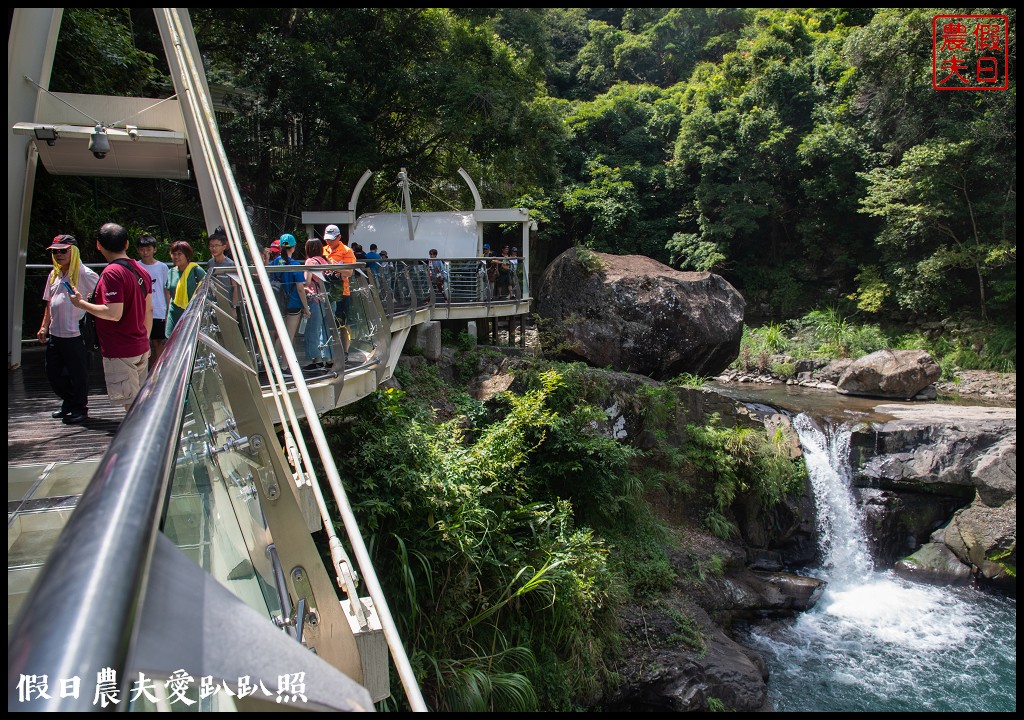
[[802, 154]]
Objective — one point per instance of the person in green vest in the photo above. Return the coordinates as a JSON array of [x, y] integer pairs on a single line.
[[182, 281]]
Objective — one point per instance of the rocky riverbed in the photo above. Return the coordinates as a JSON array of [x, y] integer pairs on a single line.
[[968, 386]]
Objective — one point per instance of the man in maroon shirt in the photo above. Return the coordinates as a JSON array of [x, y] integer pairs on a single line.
[[123, 309]]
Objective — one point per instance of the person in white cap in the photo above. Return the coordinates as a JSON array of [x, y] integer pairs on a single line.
[[338, 253]]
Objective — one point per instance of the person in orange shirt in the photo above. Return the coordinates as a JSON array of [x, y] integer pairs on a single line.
[[338, 253]]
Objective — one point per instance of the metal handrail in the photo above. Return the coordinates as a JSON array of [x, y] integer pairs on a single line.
[[80, 615]]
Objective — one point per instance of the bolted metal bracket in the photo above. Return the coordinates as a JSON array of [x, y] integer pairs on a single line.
[[304, 591]]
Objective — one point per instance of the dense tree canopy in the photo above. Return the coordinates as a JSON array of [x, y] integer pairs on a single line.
[[801, 153]]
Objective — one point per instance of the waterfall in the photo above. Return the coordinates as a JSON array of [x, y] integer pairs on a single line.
[[841, 539], [876, 642]]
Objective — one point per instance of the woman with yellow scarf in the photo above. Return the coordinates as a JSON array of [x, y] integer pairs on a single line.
[[182, 281], [67, 358]]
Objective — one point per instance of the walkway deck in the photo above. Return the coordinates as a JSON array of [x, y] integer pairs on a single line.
[[49, 465], [35, 437]]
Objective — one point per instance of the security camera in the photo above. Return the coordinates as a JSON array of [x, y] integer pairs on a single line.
[[99, 143], [133, 132]]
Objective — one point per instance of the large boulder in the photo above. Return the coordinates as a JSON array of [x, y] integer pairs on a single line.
[[986, 539], [675, 659], [890, 373], [632, 313]]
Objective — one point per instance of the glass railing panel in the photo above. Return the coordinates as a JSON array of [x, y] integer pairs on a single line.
[[226, 291], [366, 330], [382, 278], [345, 316], [214, 513], [516, 283], [399, 275], [315, 339], [375, 275], [420, 280]]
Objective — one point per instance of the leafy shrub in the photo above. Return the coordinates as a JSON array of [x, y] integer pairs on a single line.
[[730, 461], [744, 358], [590, 262], [757, 345], [866, 339], [784, 369], [986, 348], [687, 631], [715, 704], [763, 361], [831, 330]]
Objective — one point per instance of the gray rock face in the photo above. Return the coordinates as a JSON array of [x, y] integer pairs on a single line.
[[934, 563], [638, 315], [663, 674], [896, 523], [995, 473], [949, 451], [890, 373]]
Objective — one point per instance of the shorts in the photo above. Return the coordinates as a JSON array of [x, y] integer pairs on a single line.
[[159, 331], [341, 309], [125, 377]]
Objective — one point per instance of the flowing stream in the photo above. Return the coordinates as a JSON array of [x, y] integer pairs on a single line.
[[876, 642]]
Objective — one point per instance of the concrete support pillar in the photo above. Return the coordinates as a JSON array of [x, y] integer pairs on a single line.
[[428, 339]]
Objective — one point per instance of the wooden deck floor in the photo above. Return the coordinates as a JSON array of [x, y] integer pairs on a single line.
[[35, 437]]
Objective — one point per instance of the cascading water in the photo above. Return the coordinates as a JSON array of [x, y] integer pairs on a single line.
[[841, 540], [876, 642]]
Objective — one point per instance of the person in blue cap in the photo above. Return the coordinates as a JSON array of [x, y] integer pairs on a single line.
[[290, 288]]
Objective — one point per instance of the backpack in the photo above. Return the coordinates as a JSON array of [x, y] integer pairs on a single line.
[[87, 326], [280, 288]]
